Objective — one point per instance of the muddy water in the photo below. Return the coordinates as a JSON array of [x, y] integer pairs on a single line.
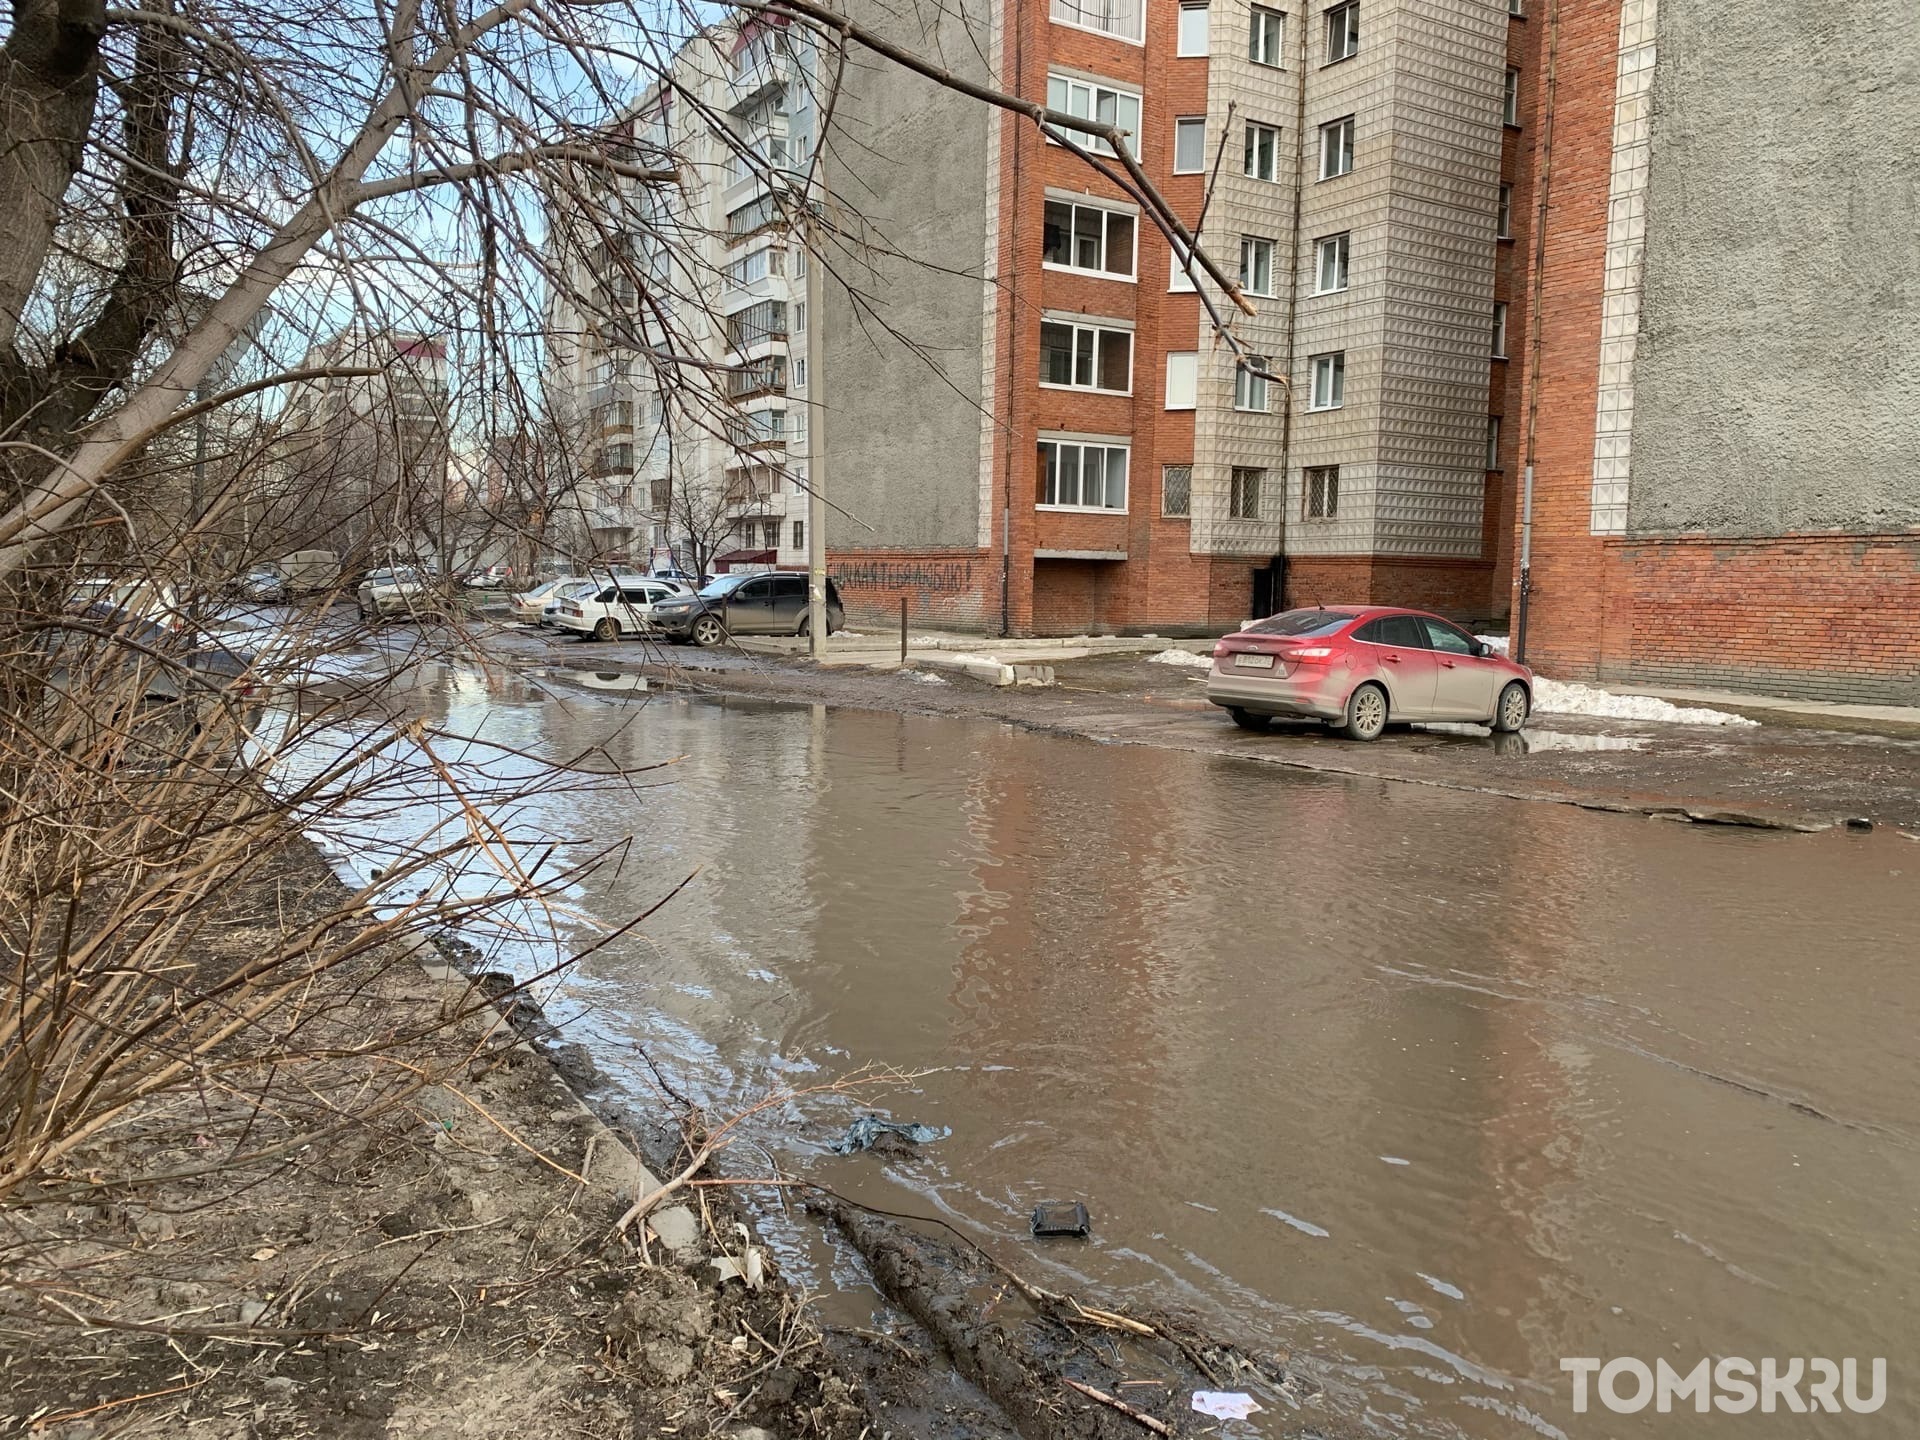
[[1429, 1089]]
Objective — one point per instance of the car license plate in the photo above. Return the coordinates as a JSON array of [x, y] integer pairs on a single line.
[[1253, 662]]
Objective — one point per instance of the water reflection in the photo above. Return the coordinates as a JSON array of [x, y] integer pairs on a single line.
[[1430, 1087]]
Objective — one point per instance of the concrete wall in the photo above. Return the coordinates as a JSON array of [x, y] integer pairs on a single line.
[[1777, 378], [898, 377]]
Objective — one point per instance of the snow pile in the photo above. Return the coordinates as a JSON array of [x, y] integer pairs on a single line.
[[1495, 643], [965, 657], [1556, 697], [924, 677], [1181, 657]]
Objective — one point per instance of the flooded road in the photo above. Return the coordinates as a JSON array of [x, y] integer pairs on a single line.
[[1428, 1088]]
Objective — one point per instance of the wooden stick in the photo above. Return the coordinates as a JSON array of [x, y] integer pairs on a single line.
[[1158, 1427]]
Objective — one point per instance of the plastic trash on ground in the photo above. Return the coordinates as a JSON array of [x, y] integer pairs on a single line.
[[869, 1128], [1062, 1217], [1225, 1404]]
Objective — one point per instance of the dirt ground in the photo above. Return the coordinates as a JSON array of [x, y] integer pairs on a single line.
[[1781, 773]]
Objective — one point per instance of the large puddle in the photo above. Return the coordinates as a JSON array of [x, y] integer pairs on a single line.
[[1427, 1089]]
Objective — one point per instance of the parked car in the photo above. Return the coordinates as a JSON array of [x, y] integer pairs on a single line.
[[679, 576], [151, 681], [1361, 667], [768, 604], [529, 604], [388, 594], [550, 612], [309, 571], [266, 583], [620, 606], [494, 577], [134, 597]]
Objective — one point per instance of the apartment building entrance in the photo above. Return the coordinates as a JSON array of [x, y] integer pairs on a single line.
[[1269, 588]]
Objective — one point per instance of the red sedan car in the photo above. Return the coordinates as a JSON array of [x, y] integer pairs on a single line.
[[1359, 667]]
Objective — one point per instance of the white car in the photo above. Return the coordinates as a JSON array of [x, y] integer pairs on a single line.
[[533, 603], [621, 606]]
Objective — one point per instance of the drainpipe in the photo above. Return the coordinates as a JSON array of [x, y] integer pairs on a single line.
[[1543, 183], [1278, 568], [1007, 361]]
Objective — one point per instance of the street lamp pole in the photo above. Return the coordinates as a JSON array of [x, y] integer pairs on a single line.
[[816, 470]]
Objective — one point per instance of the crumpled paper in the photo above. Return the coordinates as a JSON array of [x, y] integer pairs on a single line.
[[1225, 1404]]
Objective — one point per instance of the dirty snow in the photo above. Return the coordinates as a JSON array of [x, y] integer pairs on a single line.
[[1181, 657], [1556, 697], [924, 677]]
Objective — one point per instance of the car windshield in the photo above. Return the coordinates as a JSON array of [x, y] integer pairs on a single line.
[[724, 585], [1302, 622]]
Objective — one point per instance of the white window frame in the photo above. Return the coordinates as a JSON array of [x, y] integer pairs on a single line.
[[1343, 21], [1199, 121], [1184, 40], [1129, 275], [1332, 367], [1336, 146], [1499, 329], [1251, 151], [1267, 24], [1183, 379], [1135, 38], [1503, 213], [1250, 251], [1094, 89], [1510, 97], [1249, 388], [797, 369], [1517, 7], [1180, 278], [1097, 331], [1104, 446], [1339, 249]]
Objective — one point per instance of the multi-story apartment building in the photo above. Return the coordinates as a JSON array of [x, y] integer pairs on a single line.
[[1086, 452], [360, 461], [692, 407], [1720, 401]]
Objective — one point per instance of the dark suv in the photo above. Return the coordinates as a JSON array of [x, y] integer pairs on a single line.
[[767, 604]]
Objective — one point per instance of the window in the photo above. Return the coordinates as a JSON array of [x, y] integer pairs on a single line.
[[1322, 484], [1183, 379], [1336, 148], [1085, 237], [1243, 493], [1493, 442], [800, 373], [1189, 145], [1083, 477], [1499, 329], [1329, 381], [799, 317], [799, 264], [770, 534], [799, 534], [1510, 100], [1176, 489], [1109, 17], [766, 320], [1193, 28], [1100, 103], [1443, 637], [1180, 276], [1264, 39], [1330, 264], [1503, 224], [1263, 144], [797, 425], [1516, 7], [1343, 31], [1086, 357], [1256, 265], [1250, 384]]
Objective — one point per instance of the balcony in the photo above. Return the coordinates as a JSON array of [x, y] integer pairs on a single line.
[[762, 377], [760, 322]]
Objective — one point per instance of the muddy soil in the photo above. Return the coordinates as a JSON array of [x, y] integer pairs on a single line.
[[439, 1268]]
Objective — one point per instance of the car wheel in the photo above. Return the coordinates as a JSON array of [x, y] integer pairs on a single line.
[[805, 627], [607, 629], [1247, 720], [1366, 713], [1511, 713], [708, 632]]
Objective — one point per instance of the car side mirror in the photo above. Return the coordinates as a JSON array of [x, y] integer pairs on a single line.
[[1481, 649]]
